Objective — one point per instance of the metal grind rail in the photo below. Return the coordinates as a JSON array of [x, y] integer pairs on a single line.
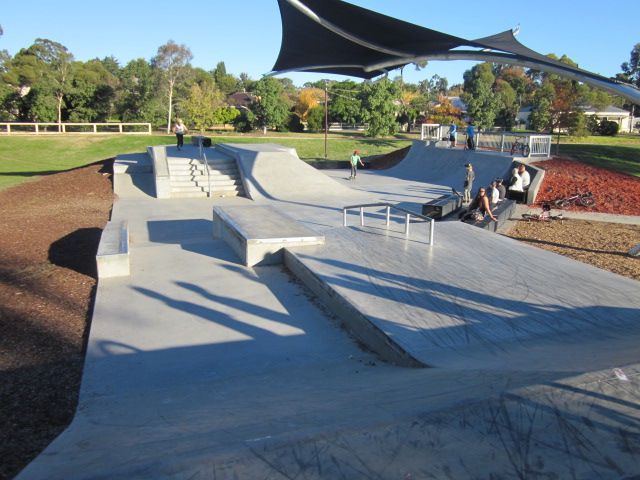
[[388, 208], [203, 157]]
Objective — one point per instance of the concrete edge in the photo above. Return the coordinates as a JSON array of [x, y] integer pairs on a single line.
[[357, 323]]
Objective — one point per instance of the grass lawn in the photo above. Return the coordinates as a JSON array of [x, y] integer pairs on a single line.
[[24, 157], [620, 153]]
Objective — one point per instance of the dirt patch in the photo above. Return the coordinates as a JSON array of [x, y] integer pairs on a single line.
[[50, 233]]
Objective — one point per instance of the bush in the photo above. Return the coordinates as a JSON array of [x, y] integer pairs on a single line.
[[242, 123], [294, 124], [315, 119], [608, 128]]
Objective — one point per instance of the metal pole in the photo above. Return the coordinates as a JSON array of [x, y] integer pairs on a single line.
[[326, 120], [406, 225], [431, 231], [361, 216], [388, 212], [344, 217]]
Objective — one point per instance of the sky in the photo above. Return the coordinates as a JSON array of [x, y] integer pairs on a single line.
[[246, 34]]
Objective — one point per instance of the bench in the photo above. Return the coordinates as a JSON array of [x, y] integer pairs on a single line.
[[113, 251], [503, 212], [206, 141], [258, 234], [442, 206]]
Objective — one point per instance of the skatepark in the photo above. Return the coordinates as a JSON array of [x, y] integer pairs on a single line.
[[370, 354]]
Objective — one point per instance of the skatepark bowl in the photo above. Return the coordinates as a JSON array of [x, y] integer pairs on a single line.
[[367, 353]]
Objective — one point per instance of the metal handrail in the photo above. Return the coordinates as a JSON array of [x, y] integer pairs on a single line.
[[203, 158], [388, 206]]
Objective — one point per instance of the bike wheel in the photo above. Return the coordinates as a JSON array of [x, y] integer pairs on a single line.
[[529, 216], [587, 201], [514, 147], [526, 151], [562, 203]]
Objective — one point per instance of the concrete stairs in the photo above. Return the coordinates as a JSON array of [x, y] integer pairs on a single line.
[[189, 176]]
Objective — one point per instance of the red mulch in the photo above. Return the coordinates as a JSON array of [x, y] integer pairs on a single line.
[[614, 192]]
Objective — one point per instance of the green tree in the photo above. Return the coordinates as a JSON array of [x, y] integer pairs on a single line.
[[225, 115], [345, 106], [201, 104], [271, 107], [315, 119], [171, 62], [631, 69], [93, 94], [139, 100], [478, 95], [379, 107], [507, 104], [540, 118]]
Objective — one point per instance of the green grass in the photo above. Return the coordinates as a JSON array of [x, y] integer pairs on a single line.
[[25, 157], [623, 157]]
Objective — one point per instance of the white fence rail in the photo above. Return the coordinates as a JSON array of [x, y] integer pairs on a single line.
[[540, 145], [41, 128]]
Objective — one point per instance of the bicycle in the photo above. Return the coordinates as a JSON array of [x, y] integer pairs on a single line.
[[585, 200], [523, 148], [544, 216]]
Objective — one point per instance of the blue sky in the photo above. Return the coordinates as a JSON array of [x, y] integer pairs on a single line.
[[246, 34]]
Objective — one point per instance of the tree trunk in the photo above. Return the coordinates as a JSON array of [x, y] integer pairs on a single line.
[[170, 106]]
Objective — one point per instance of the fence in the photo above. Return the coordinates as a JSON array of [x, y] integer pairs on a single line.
[[540, 145], [41, 128]]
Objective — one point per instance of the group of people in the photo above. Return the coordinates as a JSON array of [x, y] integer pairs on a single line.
[[488, 198], [471, 135]]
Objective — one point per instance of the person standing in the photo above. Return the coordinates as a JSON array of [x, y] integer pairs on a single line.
[[502, 191], [453, 131], [355, 159], [471, 134], [179, 129], [468, 183]]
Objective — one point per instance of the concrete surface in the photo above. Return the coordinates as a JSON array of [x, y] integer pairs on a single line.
[[200, 367]]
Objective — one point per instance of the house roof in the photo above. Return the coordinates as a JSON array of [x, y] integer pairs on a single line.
[[240, 100]]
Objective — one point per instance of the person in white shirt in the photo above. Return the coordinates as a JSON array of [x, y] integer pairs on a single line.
[[515, 186]]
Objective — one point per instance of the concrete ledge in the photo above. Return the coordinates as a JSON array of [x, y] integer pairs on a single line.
[[442, 206], [195, 140], [503, 211], [357, 322], [258, 233], [113, 252]]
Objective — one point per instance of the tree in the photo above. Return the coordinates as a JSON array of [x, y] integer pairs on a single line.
[[631, 69], [478, 95], [345, 105], [506, 103], [540, 116], [201, 104], [171, 61], [315, 119], [379, 107], [271, 107], [93, 94], [227, 83], [139, 99], [307, 99]]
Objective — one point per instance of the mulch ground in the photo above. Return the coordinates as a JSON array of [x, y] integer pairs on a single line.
[[50, 233]]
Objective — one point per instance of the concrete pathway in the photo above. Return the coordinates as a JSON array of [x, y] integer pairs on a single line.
[[198, 367]]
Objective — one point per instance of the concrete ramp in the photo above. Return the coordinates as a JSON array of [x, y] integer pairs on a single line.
[[275, 172], [446, 166]]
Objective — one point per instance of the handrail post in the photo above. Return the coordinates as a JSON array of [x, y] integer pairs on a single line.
[[388, 213], [431, 222], [344, 217], [361, 216], [406, 225]]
